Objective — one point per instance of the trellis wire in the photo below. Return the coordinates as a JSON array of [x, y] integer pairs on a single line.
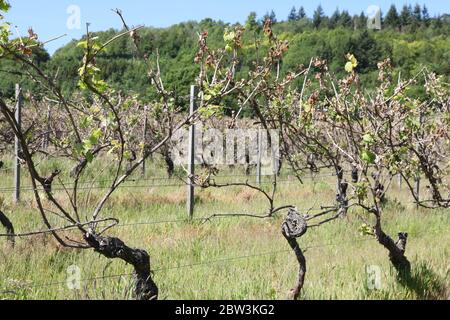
[[29, 188], [187, 266]]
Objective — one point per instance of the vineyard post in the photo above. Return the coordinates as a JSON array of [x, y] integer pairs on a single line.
[[19, 101], [47, 133], [417, 190], [144, 137], [258, 165], [417, 178], [191, 157]]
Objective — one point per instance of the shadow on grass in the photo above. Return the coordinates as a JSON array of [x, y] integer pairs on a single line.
[[425, 283]]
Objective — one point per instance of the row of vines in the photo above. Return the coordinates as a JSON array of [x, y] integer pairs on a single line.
[[366, 136]]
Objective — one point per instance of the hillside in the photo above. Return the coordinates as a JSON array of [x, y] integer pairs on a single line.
[[416, 42]]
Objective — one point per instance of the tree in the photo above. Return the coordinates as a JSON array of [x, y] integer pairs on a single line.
[[318, 17], [293, 15], [405, 16], [425, 15], [376, 150], [417, 14], [360, 22], [392, 19], [176, 46], [7, 224], [334, 19], [416, 17], [251, 23], [273, 17], [301, 13], [12, 74], [345, 20], [367, 50], [269, 15], [109, 131], [437, 22]]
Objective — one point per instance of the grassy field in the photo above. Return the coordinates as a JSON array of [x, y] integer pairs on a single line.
[[227, 258]]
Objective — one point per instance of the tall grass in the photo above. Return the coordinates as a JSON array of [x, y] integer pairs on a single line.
[[194, 260]]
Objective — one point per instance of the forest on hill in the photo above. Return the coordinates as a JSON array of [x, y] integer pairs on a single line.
[[409, 37]]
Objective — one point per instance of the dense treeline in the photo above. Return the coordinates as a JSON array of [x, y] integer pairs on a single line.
[[409, 37]]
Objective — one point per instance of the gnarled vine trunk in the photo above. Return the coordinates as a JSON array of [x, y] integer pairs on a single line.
[[8, 226], [341, 195], [294, 227], [396, 250], [114, 248]]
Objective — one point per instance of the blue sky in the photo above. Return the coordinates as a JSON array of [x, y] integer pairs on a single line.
[[49, 17]]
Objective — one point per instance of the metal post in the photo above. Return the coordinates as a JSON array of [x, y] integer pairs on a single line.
[[191, 159], [258, 165], [19, 101], [47, 134], [417, 189], [417, 178], [144, 138]]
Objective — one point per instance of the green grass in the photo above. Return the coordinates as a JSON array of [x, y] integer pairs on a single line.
[[337, 256]]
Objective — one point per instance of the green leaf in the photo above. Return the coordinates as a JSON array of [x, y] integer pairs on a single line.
[[82, 44], [349, 67], [307, 107], [127, 155], [361, 191], [95, 136], [82, 85], [368, 157], [369, 139], [86, 122], [229, 36], [351, 64], [79, 147], [366, 230], [210, 110], [412, 123], [353, 60], [4, 32], [4, 6], [100, 85], [89, 156]]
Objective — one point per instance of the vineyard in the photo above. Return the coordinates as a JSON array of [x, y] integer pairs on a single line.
[[312, 186], [228, 258]]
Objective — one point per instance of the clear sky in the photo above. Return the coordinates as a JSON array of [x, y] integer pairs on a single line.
[[49, 18]]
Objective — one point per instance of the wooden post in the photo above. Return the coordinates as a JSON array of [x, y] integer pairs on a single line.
[[19, 101], [417, 189], [417, 178], [144, 137], [47, 134], [258, 165], [191, 156], [400, 180]]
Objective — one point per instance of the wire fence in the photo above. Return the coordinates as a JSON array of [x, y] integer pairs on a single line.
[[6, 169], [96, 185], [132, 224], [228, 260], [93, 185]]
